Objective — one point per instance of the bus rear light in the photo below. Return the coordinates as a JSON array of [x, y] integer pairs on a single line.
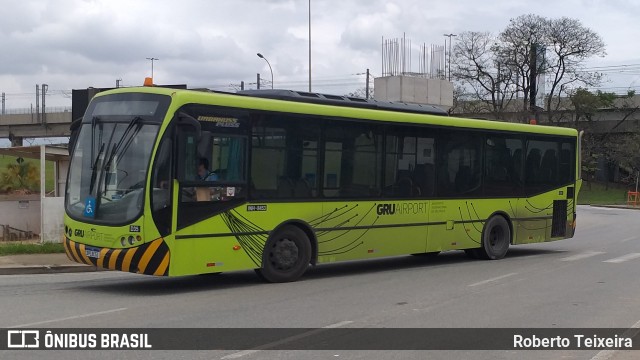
[[214, 264], [236, 247]]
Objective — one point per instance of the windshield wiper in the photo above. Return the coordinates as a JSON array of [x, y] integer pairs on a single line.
[[94, 121], [124, 143], [116, 149], [94, 169]]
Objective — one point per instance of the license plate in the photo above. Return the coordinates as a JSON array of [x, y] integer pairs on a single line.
[[92, 252]]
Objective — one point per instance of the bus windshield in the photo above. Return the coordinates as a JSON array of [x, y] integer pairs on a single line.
[[109, 165]]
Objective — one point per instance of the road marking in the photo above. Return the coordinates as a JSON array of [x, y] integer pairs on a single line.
[[623, 258], [285, 340], [631, 238], [68, 318], [492, 279], [337, 325], [239, 354], [607, 354], [583, 255], [608, 208]]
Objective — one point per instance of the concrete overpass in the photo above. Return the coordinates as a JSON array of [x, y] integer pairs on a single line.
[[15, 127]]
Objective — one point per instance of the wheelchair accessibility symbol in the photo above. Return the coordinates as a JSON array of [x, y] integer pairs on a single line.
[[90, 207]]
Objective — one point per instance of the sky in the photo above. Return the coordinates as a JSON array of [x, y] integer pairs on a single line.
[[75, 44]]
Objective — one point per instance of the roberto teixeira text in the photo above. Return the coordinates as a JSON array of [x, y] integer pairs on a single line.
[[577, 341]]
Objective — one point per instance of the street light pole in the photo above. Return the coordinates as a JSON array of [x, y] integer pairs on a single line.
[[449, 61], [309, 45], [152, 60], [265, 59]]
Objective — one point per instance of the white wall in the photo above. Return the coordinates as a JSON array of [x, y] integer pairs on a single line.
[[415, 90], [52, 219], [21, 212]]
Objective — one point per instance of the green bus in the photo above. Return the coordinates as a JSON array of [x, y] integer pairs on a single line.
[[293, 179]]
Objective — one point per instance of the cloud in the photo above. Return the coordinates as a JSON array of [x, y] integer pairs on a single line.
[[80, 43]]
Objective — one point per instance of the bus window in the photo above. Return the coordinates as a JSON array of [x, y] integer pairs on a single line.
[[161, 186], [459, 169], [541, 166], [352, 161], [211, 168], [502, 166], [284, 158], [566, 171], [409, 165]]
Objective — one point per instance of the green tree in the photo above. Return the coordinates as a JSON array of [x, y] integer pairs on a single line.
[[22, 177]]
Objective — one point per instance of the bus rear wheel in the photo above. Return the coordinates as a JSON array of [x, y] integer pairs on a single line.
[[286, 255], [496, 238]]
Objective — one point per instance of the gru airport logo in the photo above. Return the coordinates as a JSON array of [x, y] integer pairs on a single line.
[[23, 339]]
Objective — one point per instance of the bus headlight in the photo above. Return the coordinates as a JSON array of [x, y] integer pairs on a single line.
[[131, 239], [122, 241]]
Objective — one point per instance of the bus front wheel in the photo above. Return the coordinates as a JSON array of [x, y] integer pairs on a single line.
[[286, 255], [496, 237]]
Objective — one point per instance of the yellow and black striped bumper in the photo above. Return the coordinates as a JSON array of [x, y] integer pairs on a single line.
[[151, 258]]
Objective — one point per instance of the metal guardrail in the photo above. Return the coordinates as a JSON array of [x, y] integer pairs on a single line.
[[10, 233], [48, 110]]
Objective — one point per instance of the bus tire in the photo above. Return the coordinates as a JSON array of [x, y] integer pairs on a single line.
[[496, 238], [286, 255]]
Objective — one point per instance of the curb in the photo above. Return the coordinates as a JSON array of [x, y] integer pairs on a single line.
[[623, 207], [46, 269]]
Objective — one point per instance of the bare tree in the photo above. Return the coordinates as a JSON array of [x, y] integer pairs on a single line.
[[517, 41], [499, 69], [569, 44], [480, 68]]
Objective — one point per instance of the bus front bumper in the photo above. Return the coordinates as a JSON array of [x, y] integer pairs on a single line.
[[151, 258]]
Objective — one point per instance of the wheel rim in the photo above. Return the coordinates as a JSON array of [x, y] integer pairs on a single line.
[[496, 238], [284, 254]]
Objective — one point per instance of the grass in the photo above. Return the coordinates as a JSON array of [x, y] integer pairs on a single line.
[[598, 194], [26, 248], [48, 181]]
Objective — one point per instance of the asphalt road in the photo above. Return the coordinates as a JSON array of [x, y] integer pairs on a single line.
[[589, 281]]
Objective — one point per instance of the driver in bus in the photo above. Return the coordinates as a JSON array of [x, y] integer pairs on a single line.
[[203, 171]]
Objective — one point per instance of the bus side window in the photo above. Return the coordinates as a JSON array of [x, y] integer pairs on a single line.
[[459, 172]]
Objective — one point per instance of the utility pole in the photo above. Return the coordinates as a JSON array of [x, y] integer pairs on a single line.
[[152, 60], [37, 103], [3, 98], [309, 45], [533, 75], [258, 80], [242, 85], [366, 91], [445, 44], [118, 83], [44, 93]]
